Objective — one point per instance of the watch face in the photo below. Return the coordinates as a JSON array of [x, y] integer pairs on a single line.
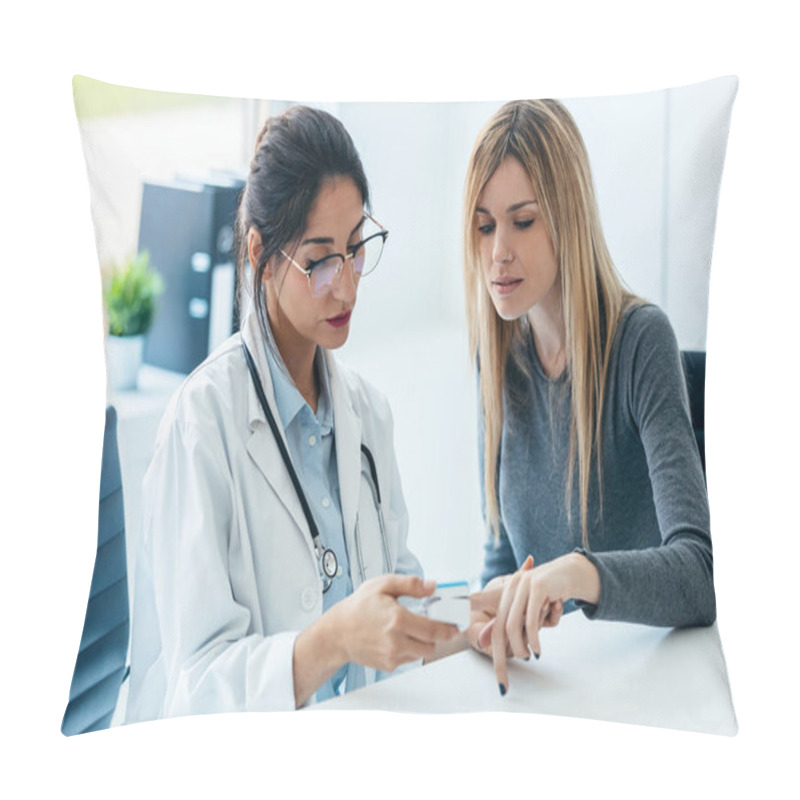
[[329, 563]]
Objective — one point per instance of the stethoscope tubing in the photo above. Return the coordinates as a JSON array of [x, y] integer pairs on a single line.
[[324, 555], [376, 498]]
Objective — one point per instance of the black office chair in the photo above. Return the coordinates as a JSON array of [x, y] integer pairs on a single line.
[[694, 369], [100, 667]]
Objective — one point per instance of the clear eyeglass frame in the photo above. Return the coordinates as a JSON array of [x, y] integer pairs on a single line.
[[321, 276]]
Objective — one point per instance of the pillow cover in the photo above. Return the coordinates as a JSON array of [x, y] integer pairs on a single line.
[[165, 173]]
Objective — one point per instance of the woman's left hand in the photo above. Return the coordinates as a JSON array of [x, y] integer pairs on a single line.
[[528, 600]]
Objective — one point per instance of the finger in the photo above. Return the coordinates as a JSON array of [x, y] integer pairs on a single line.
[[499, 634], [477, 622], [406, 585], [414, 649], [484, 641], [498, 646], [520, 648], [402, 650], [517, 641], [473, 633], [487, 601], [543, 612], [527, 564], [423, 629], [532, 621], [515, 624], [555, 614], [485, 636]]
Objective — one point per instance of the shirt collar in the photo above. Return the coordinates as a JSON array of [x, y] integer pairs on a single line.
[[324, 402], [287, 396]]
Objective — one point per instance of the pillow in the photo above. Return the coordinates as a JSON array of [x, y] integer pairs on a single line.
[[156, 158]]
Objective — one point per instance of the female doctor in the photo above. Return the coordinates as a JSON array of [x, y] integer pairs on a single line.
[[274, 544]]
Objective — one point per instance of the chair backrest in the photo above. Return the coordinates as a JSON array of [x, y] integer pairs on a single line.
[[694, 369], [100, 666]]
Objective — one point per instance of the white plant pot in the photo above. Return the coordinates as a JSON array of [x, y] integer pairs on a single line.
[[123, 359]]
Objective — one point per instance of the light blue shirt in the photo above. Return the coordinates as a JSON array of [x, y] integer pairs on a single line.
[[310, 438]]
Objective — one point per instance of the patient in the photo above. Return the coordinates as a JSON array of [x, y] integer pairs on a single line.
[[592, 485]]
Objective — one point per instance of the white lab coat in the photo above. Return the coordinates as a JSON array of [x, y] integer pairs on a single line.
[[226, 574]]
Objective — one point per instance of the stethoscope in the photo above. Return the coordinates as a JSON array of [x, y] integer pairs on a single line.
[[328, 562]]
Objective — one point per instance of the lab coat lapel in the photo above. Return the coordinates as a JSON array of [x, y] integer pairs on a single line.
[[261, 445], [347, 432]]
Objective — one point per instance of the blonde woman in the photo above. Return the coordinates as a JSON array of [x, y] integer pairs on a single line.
[[593, 488]]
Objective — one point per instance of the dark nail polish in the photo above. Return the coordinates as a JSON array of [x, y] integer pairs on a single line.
[[502, 689], [537, 656]]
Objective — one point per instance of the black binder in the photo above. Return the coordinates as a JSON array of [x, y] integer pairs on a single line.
[[187, 226]]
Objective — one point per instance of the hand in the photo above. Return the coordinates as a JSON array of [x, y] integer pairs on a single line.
[[532, 599], [376, 631], [483, 609]]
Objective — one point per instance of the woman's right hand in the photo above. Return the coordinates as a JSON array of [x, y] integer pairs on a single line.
[[374, 630], [484, 606]]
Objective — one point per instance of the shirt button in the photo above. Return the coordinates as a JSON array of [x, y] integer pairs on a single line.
[[325, 502], [308, 599], [312, 440]]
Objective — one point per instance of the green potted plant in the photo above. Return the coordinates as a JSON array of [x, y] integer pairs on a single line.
[[130, 292]]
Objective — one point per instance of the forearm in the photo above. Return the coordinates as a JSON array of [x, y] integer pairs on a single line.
[[668, 586], [318, 653]]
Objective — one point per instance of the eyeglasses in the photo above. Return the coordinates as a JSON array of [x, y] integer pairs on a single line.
[[365, 255]]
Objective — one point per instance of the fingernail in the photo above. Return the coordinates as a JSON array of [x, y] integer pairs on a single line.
[[502, 689], [536, 655]]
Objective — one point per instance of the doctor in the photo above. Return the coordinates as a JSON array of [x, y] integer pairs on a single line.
[[274, 550]]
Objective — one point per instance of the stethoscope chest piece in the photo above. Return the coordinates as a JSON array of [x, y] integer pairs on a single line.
[[330, 564]]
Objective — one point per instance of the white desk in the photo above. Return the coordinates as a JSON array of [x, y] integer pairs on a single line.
[[600, 670]]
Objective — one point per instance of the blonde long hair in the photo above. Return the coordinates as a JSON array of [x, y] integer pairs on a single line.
[[543, 137]]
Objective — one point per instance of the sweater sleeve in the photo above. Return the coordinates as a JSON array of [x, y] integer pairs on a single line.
[[670, 585]]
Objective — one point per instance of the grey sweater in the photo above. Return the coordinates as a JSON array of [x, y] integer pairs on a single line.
[[650, 541]]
